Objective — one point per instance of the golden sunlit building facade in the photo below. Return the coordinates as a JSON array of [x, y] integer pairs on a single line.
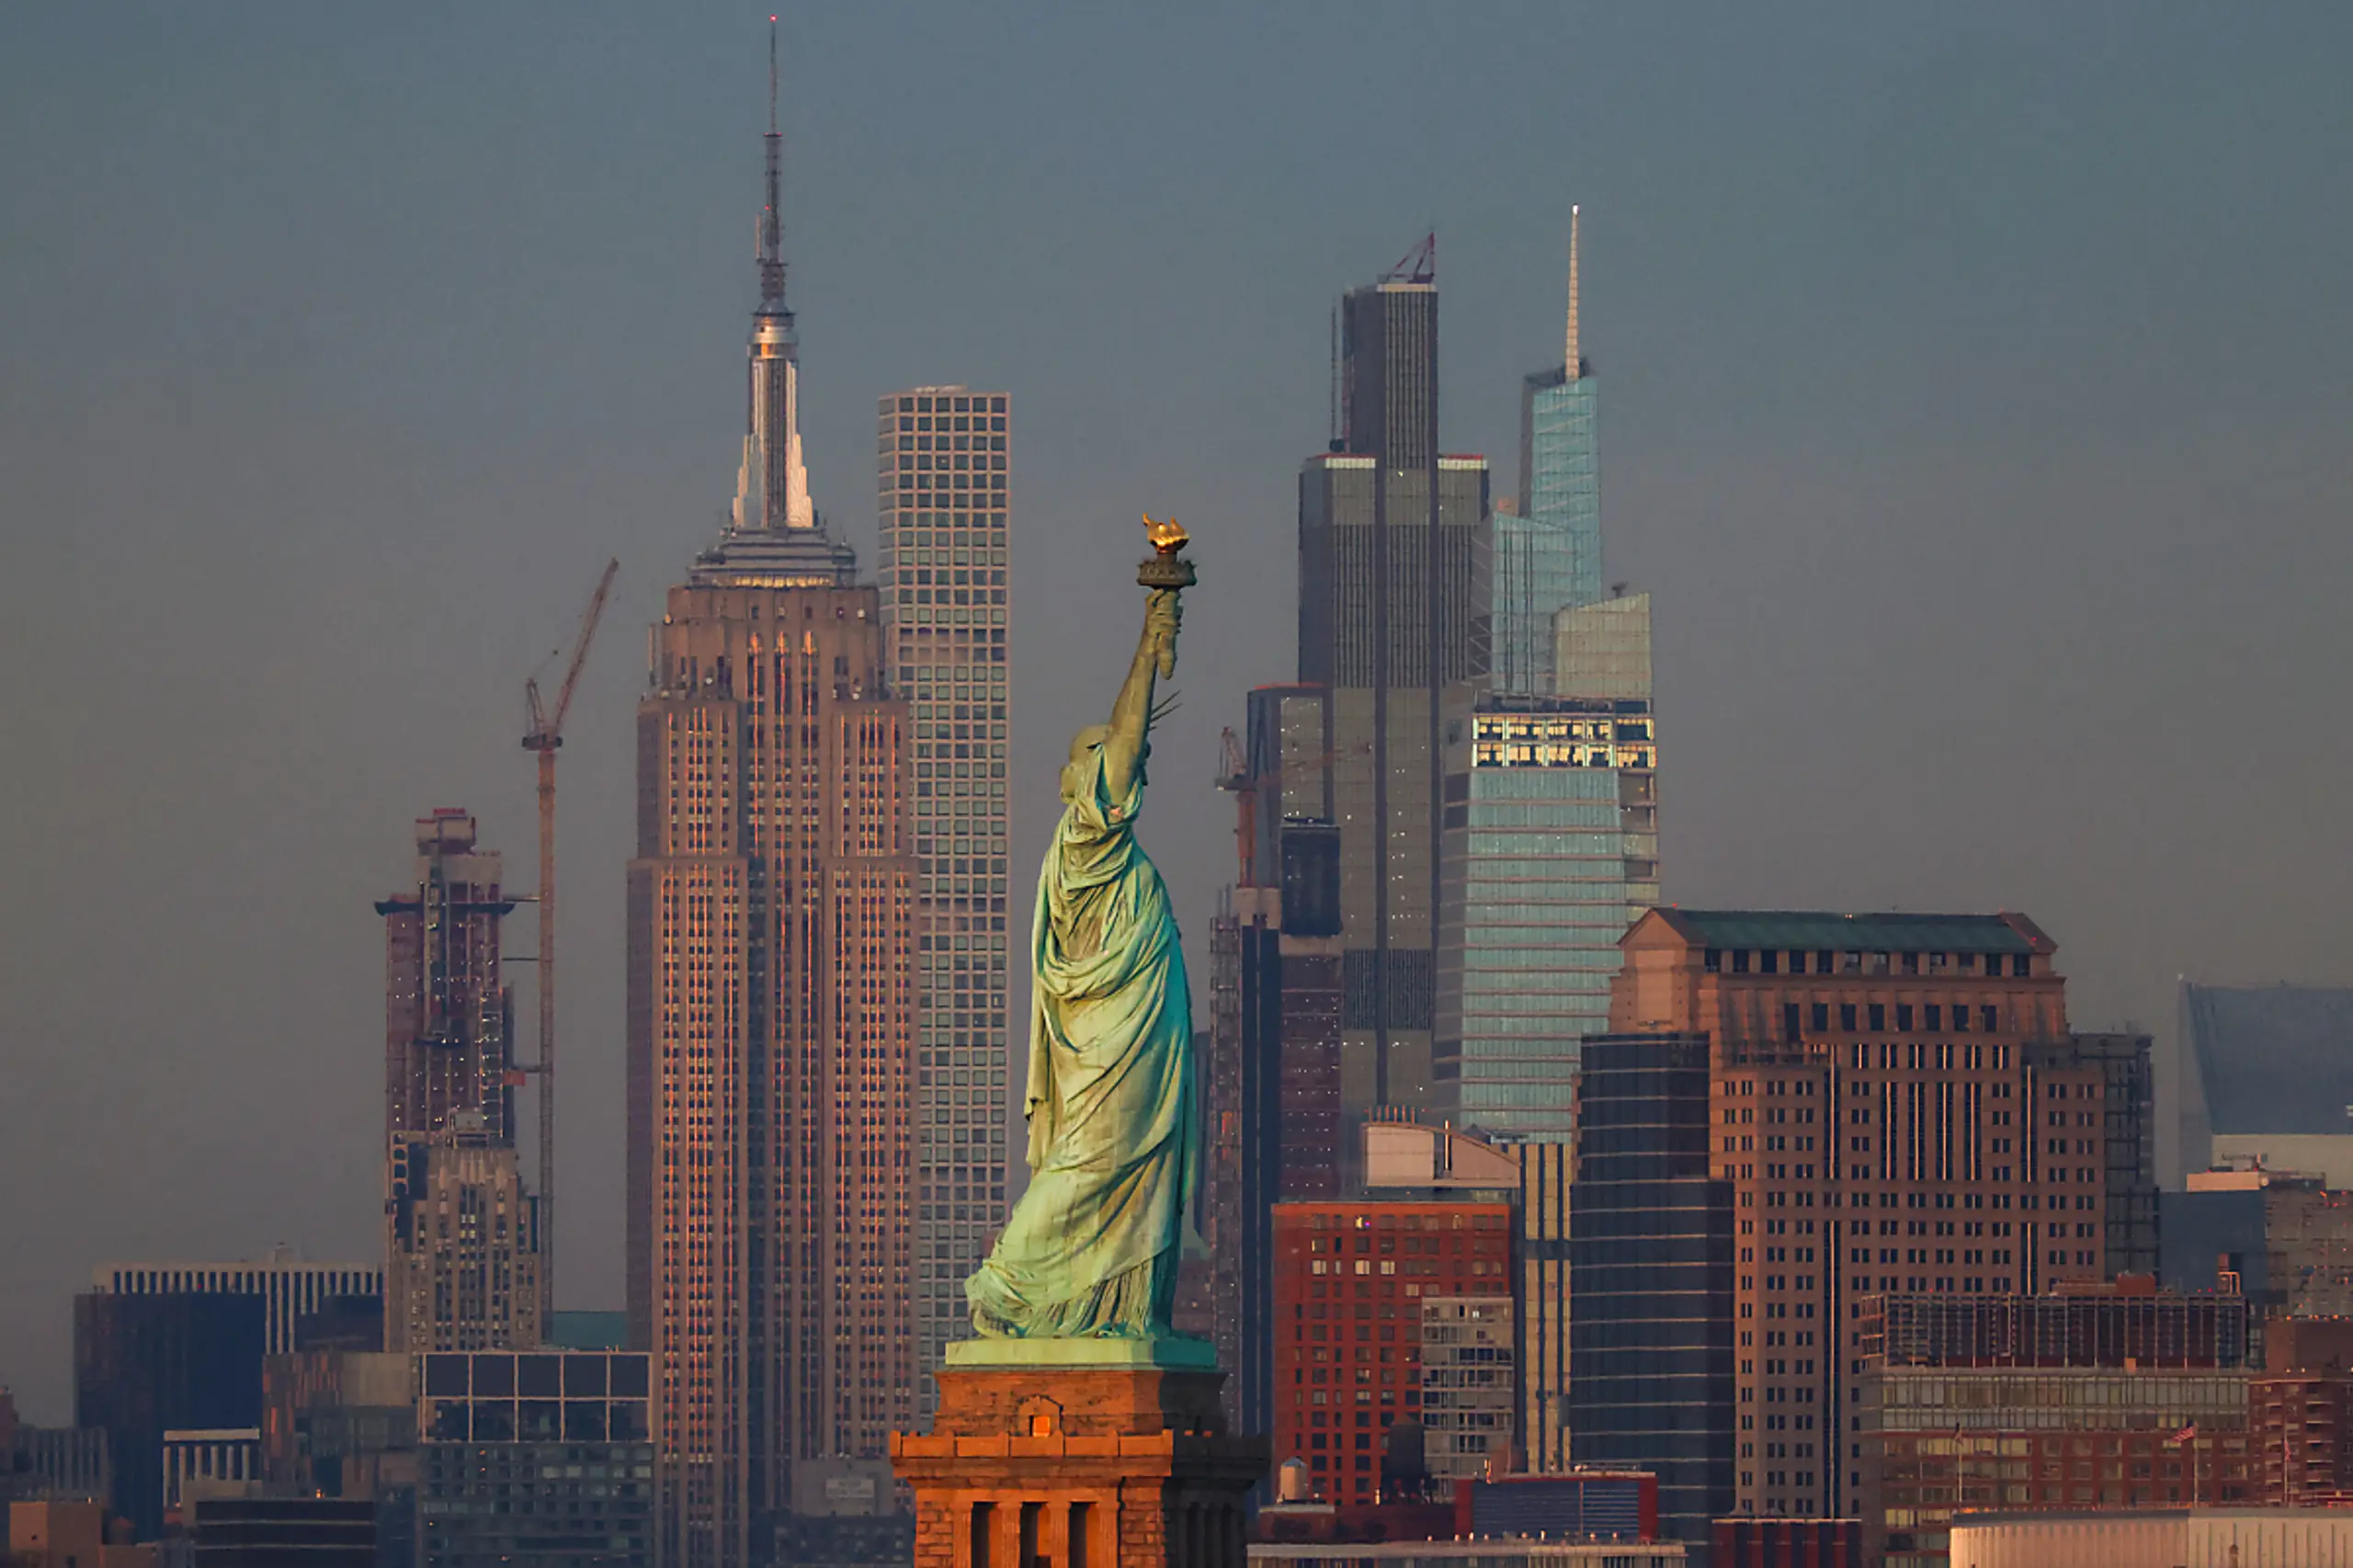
[[1897, 1104], [771, 1063], [772, 1017]]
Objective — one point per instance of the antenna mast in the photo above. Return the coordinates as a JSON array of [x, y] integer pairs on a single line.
[[1333, 439], [1573, 362], [772, 215]]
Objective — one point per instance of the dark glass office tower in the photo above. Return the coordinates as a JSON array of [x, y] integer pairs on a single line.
[[1651, 1272], [1393, 541], [145, 1365]]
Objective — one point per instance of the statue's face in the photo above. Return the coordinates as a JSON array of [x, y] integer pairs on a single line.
[[1083, 747]]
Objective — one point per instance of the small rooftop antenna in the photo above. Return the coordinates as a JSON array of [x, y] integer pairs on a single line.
[[1416, 265]]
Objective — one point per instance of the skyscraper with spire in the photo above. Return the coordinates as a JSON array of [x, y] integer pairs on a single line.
[[771, 1013], [1550, 843], [1548, 551]]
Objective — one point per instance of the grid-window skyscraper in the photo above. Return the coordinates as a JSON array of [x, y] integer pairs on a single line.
[[1393, 541], [941, 494], [771, 1015]]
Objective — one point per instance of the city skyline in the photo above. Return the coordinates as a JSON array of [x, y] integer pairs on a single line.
[[1936, 578]]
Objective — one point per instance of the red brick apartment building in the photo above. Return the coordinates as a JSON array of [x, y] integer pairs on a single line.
[[1350, 1280]]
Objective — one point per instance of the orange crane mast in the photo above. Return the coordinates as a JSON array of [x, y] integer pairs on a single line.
[[544, 737], [1234, 776]]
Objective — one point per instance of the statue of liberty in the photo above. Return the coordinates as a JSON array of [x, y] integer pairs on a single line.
[[1091, 1249]]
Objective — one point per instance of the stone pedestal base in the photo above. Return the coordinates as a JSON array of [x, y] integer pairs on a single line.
[[1084, 1466]]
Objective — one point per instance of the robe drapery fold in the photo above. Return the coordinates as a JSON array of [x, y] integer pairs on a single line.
[[1091, 1249]]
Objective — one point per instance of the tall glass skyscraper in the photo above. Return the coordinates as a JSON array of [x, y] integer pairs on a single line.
[[1548, 555], [1552, 833], [1550, 836]]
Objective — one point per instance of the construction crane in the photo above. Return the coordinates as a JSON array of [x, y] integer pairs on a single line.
[[1234, 776], [544, 737]]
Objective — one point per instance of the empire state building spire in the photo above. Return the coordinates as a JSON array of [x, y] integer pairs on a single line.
[[772, 215], [772, 487]]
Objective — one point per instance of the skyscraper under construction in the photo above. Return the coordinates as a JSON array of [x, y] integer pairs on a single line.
[[461, 1236], [771, 1014]]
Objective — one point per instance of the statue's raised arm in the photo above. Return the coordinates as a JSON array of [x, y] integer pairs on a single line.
[[1128, 740], [1091, 1250]]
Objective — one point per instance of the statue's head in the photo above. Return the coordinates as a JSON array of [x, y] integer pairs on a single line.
[[1081, 766]]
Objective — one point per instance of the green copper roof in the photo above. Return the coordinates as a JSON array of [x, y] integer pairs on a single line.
[[1827, 932]]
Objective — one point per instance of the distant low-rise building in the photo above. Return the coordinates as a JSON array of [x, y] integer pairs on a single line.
[[51, 1464], [2261, 1074], [247, 1531], [343, 1424], [2155, 1538], [540, 1458], [1485, 1551], [2283, 1239], [219, 1461], [70, 1535], [2115, 1397], [1788, 1543], [1598, 1505], [145, 1365], [2300, 1415], [288, 1287]]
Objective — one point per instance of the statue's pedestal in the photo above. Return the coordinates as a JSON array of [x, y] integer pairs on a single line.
[[1079, 1454]]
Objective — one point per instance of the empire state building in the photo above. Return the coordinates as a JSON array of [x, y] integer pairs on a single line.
[[771, 1011]]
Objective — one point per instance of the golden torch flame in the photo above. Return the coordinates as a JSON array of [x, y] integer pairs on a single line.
[[1168, 537]]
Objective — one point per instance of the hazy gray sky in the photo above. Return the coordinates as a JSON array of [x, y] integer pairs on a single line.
[[1976, 394]]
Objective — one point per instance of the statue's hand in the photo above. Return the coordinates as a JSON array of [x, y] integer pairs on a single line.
[[1164, 614]]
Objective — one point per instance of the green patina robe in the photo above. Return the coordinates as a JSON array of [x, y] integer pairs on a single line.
[[1092, 1247]]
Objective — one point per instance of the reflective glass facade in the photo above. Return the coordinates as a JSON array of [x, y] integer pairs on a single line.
[[1651, 1271], [1551, 852], [1548, 557]]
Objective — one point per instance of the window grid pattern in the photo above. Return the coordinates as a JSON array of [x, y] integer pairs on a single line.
[[1548, 558], [772, 1021], [941, 488]]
